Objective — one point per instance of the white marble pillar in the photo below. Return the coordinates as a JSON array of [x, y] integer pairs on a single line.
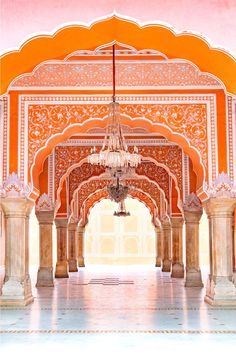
[[16, 290], [45, 215], [159, 253], [177, 270], [81, 230], [221, 290], [62, 264], [192, 216], [72, 245], [166, 227]]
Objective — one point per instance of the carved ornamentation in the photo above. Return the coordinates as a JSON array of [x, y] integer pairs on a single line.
[[190, 120], [192, 203], [222, 187], [44, 203], [169, 155], [81, 174], [139, 74], [157, 174], [13, 187], [102, 194]]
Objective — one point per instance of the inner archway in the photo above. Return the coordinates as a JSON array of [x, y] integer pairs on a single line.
[[112, 240]]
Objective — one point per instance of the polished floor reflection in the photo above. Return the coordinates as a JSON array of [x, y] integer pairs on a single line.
[[118, 309]]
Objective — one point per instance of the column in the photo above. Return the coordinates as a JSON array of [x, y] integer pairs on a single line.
[[166, 227], [177, 270], [45, 215], [72, 227], [158, 246], [192, 216], [62, 265], [81, 230], [16, 290], [220, 288]]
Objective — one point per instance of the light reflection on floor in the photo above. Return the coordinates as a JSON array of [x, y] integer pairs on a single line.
[[118, 310]]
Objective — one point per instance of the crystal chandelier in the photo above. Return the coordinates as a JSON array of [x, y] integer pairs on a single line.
[[121, 210], [114, 153]]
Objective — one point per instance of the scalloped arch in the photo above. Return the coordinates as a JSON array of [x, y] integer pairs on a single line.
[[74, 37]]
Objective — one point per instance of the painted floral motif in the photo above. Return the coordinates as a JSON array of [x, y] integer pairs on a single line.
[[168, 155], [81, 174], [102, 194], [189, 120], [155, 173], [91, 187]]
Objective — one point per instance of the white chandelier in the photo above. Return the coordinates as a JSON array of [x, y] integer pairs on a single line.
[[114, 153]]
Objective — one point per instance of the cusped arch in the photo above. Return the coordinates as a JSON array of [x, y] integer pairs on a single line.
[[139, 195], [159, 37]]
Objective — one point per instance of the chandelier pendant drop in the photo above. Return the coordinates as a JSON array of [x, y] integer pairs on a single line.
[[121, 210], [114, 153]]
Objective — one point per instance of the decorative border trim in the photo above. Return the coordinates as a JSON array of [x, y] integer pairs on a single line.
[[51, 172], [131, 142], [231, 136], [185, 174], [4, 137]]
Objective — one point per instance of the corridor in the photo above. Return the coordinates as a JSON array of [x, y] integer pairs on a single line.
[[119, 309]]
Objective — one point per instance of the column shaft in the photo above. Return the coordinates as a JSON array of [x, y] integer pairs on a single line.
[[81, 230], [177, 270], [193, 272], [62, 265], [166, 264], [16, 290], [45, 271], [220, 288], [72, 227], [159, 252]]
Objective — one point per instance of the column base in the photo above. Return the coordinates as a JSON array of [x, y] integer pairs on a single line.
[[193, 278], [158, 262], [61, 270], [16, 293], [72, 265], [81, 262], [177, 270], [220, 292], [45, 277], [166, 265]]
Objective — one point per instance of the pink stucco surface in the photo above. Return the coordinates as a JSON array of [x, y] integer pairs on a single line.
[[215, 19]]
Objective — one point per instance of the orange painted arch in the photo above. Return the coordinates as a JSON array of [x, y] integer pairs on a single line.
[[154, 217], [158, 37], [42, 154]]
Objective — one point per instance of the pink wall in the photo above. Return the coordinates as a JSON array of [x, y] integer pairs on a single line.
[[216, 19]]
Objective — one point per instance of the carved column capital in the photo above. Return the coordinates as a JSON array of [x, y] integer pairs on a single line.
[[13, 187], [222, 187]]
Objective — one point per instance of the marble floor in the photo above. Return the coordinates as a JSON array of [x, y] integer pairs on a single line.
[[111, 309]]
